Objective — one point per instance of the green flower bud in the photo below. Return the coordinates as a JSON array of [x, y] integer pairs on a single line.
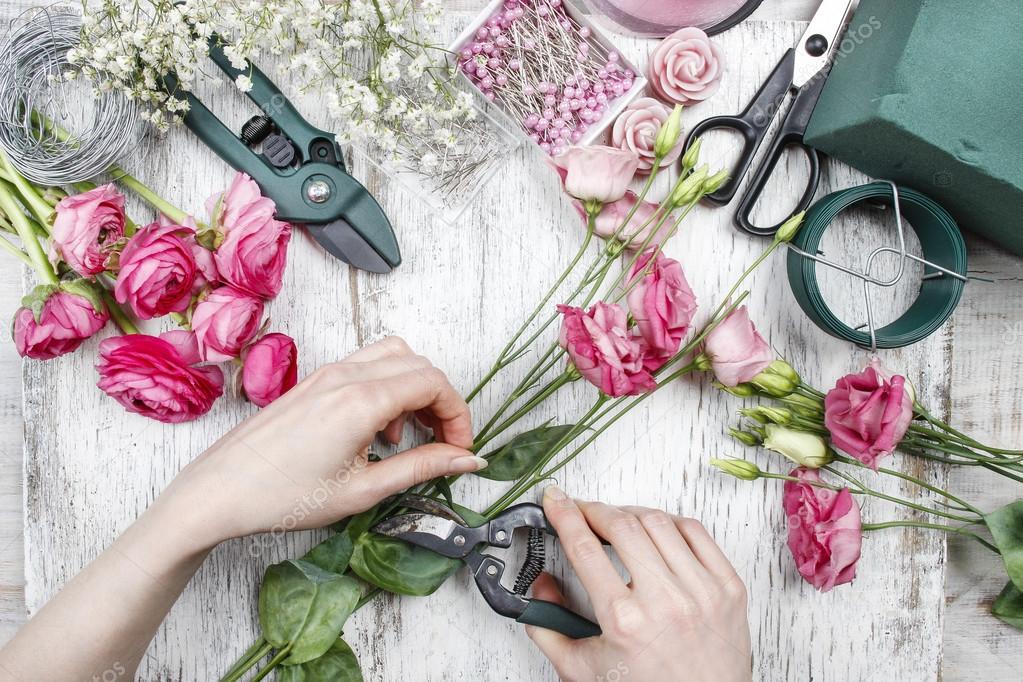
[[692, 156], [801, 405], [776, 415], [774, 385], [690, 188], [715, 182], [803, 448], [744, 437], [789, 228], [740, 391], [784, 369], [702, 362], [740, 468], [668, 134], [754, 414]]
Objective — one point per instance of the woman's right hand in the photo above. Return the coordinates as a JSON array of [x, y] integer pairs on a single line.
[[682, 616]]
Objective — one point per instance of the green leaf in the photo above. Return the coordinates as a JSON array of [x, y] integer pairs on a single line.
[[397, 566], [472, 518], [1009, 606], [513, 459], [1006, 525], [303, 607], [333, 554], [445, 489], [338, 664], [87, 290]]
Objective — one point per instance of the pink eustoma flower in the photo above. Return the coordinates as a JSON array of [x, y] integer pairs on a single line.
[[225, 321], [635, 235], [736, 350], [825, 531], [157, 270], [269, 369], [602, 350], [157, 377], [254, 249], [65, 322], [662, 304], [86, 228], [867, 414], [596, 173]]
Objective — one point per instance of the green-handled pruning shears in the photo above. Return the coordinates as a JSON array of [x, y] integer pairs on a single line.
[[300, 167]]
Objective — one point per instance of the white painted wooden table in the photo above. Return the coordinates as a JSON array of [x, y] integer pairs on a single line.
[[917, 611]]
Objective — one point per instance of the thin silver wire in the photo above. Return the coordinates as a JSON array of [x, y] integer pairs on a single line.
[[865, 275], [33, 69]]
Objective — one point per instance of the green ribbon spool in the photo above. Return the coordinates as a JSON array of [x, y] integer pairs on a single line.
[[941, 242]]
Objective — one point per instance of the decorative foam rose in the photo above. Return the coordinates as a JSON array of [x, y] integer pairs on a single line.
[[686, 67], [635, 130], [602, 350], [62, 322], [663, 306], [867, 414], [254, 249], [736, 350], [225, 321], [596, 173], [157, 377], [270, 368], [86, 228], [157, 270], [825, 531], [608, 222]]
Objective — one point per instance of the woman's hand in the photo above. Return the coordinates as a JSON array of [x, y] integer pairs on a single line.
[[302, 462], [682, 616]]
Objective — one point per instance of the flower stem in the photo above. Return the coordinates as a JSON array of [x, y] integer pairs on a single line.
[[274, 662], [118, 315], [898, 500], [965, 506], [6, 245], [29, 241], [252, 655], [175, 214], [932, 526], [494, 431], [40, 209]]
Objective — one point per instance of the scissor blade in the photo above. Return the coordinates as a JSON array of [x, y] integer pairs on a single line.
[[430, 506], [342, 241], [424, 530], [821, 39]]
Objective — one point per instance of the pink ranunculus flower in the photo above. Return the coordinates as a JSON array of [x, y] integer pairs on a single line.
[[158, 377], [825, 531], [736, 350], [254, 249], [686, 67], [601, 349], [86, 228], [636, 128], [65, 321], [157, 270], [269, 369], [663, 306], [596, 173], [225, 321], [867, 414]]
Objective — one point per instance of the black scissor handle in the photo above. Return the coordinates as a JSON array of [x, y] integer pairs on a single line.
[[551, 616], [752, 124]]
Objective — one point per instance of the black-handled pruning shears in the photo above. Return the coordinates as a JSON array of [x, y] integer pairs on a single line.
[[436, 527], [804, 70], [300, 167]]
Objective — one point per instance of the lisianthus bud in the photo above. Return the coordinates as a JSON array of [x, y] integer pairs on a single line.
[[668, 134], [784, 369], [692, 156], [744, 437], [768, 415], [801, 405], [740, 468], [702, 363], [774, 385], [754, 414], [803, 448], [690, 188], [789, 228], [715, 182]]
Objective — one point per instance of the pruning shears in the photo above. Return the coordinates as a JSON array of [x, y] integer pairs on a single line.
[[436, 527], [300, 167]]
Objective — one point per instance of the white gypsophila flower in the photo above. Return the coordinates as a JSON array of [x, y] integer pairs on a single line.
[[243, 83]]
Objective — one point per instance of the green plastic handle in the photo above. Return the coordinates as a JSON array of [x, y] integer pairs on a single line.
[[555, 617]]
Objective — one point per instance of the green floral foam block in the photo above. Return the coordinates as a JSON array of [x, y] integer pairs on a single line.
[[929, 93]]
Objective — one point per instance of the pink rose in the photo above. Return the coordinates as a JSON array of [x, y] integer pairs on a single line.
[[736, 350], [270, 368], [596, 173], [254, 251], [157, 377], [600, 347], [824, 530], [65, 321], [225, 321], [158, 270], [637, 233], [86, 228], [663, 305], [636, 129], [868, 413], [686, 67]]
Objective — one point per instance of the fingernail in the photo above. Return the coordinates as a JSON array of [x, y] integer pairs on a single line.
[[467, 464], [555, 493]]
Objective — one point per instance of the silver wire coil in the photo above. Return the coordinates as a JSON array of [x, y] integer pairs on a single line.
[[33, 69]]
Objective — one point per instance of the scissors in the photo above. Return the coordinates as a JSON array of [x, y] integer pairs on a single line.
[[438, 528], [803, 70], [300, 167]]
